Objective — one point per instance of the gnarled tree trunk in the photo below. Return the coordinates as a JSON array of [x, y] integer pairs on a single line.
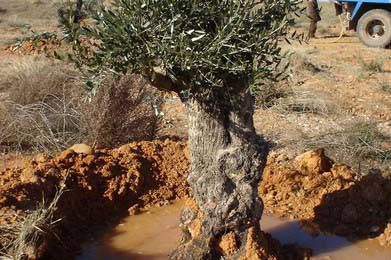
[[225, 167]]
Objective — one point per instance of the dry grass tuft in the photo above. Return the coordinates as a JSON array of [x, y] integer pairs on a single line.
[[302, 102], [372, 66], [40, 110], [361, 145], [29, 80], [44, 108], [367, 68], [384, 82], [41, 126], [269, 94], [33, 12], [31, 231], [121, 112]]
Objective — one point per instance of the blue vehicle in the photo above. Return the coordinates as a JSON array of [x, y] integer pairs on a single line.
[[371, 19]]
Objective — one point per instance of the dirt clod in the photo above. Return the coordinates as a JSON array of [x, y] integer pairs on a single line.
[[313, 162], [228, 244]]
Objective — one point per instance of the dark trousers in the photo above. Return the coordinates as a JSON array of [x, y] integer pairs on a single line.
[[313, 13]]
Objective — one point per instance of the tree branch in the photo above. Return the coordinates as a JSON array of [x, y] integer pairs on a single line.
[[159, 81]]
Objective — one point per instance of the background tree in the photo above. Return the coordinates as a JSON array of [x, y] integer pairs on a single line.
[[215, 54]]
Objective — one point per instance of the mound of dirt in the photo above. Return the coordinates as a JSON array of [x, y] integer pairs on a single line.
[[100, 186], [327, 196], [107, 184]]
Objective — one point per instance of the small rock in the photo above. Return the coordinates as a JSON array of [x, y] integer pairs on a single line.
[[65, 155], [41, 157], [228, 244], [89, 159], [342, 170], [82, 149], [313, 162]]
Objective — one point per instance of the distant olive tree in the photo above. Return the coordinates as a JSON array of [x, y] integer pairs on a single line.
[[215, 54], [76, 10]]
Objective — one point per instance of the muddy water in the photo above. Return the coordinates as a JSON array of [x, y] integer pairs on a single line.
[[153, 235]]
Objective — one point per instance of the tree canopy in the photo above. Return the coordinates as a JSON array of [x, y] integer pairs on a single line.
[[187, 46]]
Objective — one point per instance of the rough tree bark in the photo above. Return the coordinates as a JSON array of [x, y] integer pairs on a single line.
[[226, 163]]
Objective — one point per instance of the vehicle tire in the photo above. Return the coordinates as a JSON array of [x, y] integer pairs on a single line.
[[374, 28]]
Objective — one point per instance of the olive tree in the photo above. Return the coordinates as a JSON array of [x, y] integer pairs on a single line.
[[215, 54]]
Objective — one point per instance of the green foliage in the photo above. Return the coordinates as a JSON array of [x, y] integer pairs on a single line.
[[202, 47], [385, 86]]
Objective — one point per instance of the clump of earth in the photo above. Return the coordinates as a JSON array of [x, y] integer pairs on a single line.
[[105, 184], [327, 196], [46, 47]]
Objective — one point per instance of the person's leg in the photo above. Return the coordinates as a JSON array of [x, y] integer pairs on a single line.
[[313, 13], [312, 29]]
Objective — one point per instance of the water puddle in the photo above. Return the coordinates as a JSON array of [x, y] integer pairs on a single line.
[[153, 235]]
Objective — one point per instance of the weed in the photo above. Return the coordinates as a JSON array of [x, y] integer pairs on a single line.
[[304, 102], [372, 66], [269, 94], [30, 231], [121, 112], [385, 86]]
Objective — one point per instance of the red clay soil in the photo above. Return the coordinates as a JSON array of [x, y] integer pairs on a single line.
[[327, 196], [100, 186]]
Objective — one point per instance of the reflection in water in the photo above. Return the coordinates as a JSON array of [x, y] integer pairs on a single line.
[[324, 246], [155, 234], [151, 235]]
